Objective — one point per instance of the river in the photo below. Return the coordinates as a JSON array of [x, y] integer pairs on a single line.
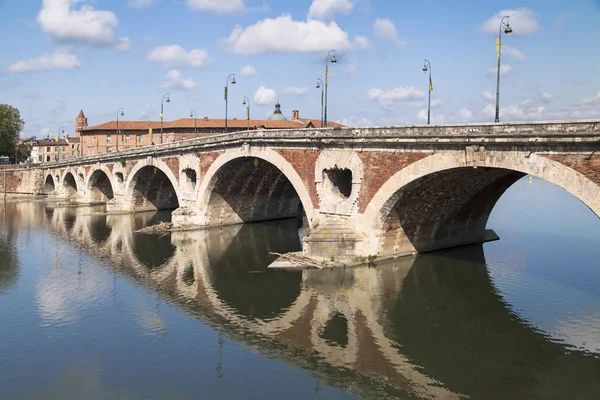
[[91, 310]]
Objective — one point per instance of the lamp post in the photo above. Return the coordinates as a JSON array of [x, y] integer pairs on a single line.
[[507, 31], [246, 103], [119, 112], [230, 78], [427, 67], [168, 100], [330, 57], [321, 86], [60, 130], [193, 114]]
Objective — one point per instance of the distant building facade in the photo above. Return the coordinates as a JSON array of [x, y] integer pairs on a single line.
[[104, 138], [59, 149]]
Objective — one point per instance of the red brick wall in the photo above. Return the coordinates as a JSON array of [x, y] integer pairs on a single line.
[[206, 160], [589, 168], [173, 164], [13, 180], [378, 167], [304, 162]]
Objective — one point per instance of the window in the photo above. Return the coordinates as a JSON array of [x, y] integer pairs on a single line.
[[141, 138], [47, 149], [64, 157], [56, 157], [109, 149], [108, 138], [64, 148], [127, 138], [72, 147], [47, 158], [40, 159]]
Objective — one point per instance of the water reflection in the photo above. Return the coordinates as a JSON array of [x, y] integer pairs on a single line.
[[433, 326]]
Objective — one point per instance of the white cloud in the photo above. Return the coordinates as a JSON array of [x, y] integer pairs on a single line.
[[385, 29], [123, 45], [523, 21], [326, 9], [176, 80], [265, 96], [248, 70], [513, 53], [57, 60], [295, 91], [218, 6], [141, 3], [176, 56], [387, 98], [591, 100], [489, 95], [85, 25], [361, 43], [356, 122], [504, 70], [547, 97], [461, 116], [283, 34], [147, 112]]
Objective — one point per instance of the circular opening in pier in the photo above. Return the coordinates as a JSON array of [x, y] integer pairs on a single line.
[[338, 182]]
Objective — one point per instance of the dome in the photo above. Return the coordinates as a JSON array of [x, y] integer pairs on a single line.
[[277, 115]]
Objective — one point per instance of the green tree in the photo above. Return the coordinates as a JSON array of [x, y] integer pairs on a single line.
[[11, 126]]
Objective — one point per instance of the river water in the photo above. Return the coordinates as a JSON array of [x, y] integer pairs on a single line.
[[91, 310]]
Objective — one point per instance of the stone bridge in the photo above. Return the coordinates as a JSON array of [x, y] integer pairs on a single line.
[[359, 191]]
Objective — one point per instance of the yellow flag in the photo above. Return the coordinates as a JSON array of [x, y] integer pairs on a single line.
[[150, 131], [498, 46], [160, 116], [56, 138], [327, 74], [430, 84]]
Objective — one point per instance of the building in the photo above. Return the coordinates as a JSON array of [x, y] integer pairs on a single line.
[[104, 138], [59, 149]]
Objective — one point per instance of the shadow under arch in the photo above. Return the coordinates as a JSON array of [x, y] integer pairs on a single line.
[[239, 276], [439, 202], [152, 251], [252, 186], [49, 185], [99, 229], [151, 188], [69, 184], [451, 321], [99, 186]]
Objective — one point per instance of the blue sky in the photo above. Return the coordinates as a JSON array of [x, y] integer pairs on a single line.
[[101, 55]]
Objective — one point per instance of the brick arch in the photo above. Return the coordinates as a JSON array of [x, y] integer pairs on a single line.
[[65, 180], [49, 179], [89, 184], [210, 178], [153, 163], [494, 175]]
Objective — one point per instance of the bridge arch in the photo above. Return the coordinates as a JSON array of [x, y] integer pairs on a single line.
[[69, 183], [152, 186], [99, 185], [49, 185], [251, 185], [443, 201]]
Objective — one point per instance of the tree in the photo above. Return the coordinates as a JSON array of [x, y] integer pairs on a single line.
[[11, 126]]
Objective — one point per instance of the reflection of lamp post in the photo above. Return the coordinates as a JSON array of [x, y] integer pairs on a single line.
[[322, 87], [193, 114], [330, 57], [161, 113], [507, 31], [119, 111], [230, 78], [427, 67], [246, 103]]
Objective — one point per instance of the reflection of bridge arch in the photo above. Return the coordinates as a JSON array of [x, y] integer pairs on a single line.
[[455, 198], [152, 186], [100, 184], [266, 187]]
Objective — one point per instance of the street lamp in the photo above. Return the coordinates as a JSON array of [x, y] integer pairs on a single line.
[[168, 100], [119, 112], [230, 78], [321, 86], [427, 67], [507, 31], [246, 103], [330, 57], [193, 114], [60, 130]]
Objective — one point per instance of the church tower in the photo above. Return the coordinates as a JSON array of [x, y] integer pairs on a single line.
[[80, 124]]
